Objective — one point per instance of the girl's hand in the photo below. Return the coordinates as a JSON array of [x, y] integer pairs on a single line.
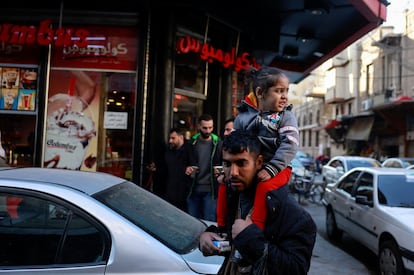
[[263, 175]]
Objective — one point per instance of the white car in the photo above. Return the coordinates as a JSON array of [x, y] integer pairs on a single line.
[[55, 221], [375, 206], [398, 162], [339, 165]]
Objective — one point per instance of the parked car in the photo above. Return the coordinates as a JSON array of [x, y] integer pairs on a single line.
[[307, 160], [375, 206], [60, 221], [339, 165], [398, 162]]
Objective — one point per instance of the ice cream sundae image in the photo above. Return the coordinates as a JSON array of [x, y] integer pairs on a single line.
[[69, 131]]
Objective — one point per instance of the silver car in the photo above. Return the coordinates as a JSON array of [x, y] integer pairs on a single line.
[[375, 206], [339, 165], [55, 221]]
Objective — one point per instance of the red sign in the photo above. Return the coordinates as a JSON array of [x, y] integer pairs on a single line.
[[112, 48], [208, 53], [43, 35]]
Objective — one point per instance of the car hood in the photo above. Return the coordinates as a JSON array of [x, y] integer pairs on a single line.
[[202, 264], [404, 215]]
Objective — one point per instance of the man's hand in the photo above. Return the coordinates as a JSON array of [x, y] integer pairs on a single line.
[[239, 225], [206, 243]]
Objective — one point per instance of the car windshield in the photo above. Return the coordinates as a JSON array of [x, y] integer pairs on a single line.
[[396, 190], [408, 162], [362, 163], [171, 226]]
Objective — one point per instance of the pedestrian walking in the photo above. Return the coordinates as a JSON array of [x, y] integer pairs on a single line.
[[228, 126], [206, 153], [177, 158]]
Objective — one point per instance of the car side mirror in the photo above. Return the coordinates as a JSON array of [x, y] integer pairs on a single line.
[[361, 199]]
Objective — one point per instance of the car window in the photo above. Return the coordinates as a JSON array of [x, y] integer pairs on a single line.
[[362, 163], [42, 232], [171, 226], [408, 162], [347, 183], [365, 186], [336, 163], [396, 190], [392, 163]]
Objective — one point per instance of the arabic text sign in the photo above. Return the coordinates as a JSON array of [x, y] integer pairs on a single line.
[[116, 120]]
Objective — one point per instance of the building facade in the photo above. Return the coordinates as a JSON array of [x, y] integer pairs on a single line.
[[364, 97], [97, 88]]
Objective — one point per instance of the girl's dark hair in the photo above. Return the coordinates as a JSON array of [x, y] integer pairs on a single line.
[[240, 141], [264, 77]]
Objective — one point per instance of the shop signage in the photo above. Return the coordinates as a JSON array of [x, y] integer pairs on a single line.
[[43, 35], [208, 53], [112, 48]]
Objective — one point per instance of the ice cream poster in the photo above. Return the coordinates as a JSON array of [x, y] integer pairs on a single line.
[[72, 117], [18, 88], [9, 88]]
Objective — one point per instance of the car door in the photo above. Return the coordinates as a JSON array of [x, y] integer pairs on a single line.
[[47, 236], [362, 215], [342, 200]]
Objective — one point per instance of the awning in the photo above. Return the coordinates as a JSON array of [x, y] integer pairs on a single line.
[[332, 124], [360, 128]]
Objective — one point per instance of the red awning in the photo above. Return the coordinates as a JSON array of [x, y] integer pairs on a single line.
[[330, 125]]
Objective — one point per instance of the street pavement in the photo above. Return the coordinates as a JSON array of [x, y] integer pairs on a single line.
[[327, 258]]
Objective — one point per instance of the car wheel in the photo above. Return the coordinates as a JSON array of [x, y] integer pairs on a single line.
[[332, 230], [389, 259]]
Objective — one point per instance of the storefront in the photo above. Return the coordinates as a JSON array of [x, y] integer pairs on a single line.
[[97, 87], [98, 97], [68, 95]]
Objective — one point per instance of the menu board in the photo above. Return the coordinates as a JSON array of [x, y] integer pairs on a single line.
[[18, 88]]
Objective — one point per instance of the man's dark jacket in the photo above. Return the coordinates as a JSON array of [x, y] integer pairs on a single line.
[[289, 231], [177, 182]]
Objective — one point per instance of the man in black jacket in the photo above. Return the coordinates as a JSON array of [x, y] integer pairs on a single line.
[[290, 232]]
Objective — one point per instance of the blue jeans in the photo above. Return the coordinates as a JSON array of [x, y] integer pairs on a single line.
[[202, 206]]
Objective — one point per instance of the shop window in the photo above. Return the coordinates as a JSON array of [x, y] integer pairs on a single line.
[[18, 110], [90, 127], [190, 83], [91, 103]]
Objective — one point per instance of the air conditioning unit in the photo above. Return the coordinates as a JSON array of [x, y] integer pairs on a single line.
[[366, 104]]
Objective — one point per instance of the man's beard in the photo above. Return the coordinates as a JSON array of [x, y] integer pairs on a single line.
[[205, 135]]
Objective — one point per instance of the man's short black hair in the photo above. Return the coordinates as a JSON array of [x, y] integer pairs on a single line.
[[240, 141], [205, 117], [230, 119], [180, 132]]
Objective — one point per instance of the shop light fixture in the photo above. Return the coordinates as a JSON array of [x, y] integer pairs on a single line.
[[290, 52], [316, 7], [304, 35], [318, 54]]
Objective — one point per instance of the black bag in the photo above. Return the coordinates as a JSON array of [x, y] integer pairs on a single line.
[[260, 266]]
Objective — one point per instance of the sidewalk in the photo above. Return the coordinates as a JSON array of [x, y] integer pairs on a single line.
[[328, 259]]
